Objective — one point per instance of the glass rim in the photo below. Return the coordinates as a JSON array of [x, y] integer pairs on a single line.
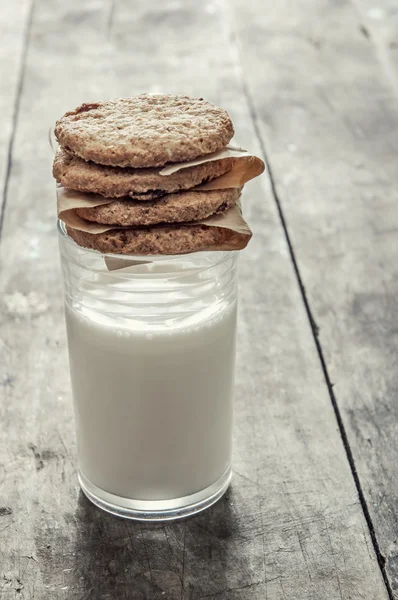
[[223, 254]]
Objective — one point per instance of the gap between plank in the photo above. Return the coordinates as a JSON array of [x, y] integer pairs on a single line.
[[15, 114], [314, 328]]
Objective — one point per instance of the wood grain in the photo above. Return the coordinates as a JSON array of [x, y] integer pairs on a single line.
[[14, 23], [291, 527], [332, 148], [378, 22]]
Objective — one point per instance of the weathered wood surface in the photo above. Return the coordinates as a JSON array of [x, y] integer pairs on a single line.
[[381, 20], [291, 527], [378, 22], [331, 136], [14, 23]]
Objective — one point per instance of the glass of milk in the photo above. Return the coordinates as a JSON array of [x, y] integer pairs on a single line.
[[152, 360]]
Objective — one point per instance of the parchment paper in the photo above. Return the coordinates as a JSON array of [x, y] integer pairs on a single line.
[[246, 166]]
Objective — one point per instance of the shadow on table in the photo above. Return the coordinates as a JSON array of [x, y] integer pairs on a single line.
[[191, 558]]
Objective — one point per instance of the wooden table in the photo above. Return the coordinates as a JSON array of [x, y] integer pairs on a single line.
[[311, 514]]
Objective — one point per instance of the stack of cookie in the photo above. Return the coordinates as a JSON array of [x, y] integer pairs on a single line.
[[117, 150]]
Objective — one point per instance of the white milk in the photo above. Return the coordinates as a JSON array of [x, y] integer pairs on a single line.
[[153, 403]]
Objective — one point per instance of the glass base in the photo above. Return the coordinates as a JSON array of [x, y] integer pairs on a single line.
[[155, 510]]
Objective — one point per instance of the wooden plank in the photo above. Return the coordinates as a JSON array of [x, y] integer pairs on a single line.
[[291, 527], [14, 23], [380, 17], [378, 22], [332, 147]]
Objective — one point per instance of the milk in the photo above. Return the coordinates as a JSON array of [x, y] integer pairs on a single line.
[[153, 397]]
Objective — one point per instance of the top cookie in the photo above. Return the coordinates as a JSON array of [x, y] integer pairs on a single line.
[[144, 131]]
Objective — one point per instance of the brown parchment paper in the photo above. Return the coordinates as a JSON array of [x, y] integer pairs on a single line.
[[68, 200], [113, 263], [231, 219], [246, 166]]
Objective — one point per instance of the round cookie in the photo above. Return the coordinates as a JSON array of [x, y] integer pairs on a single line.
[[144, 131], [160, 239], [141, 184], [173, 208]]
